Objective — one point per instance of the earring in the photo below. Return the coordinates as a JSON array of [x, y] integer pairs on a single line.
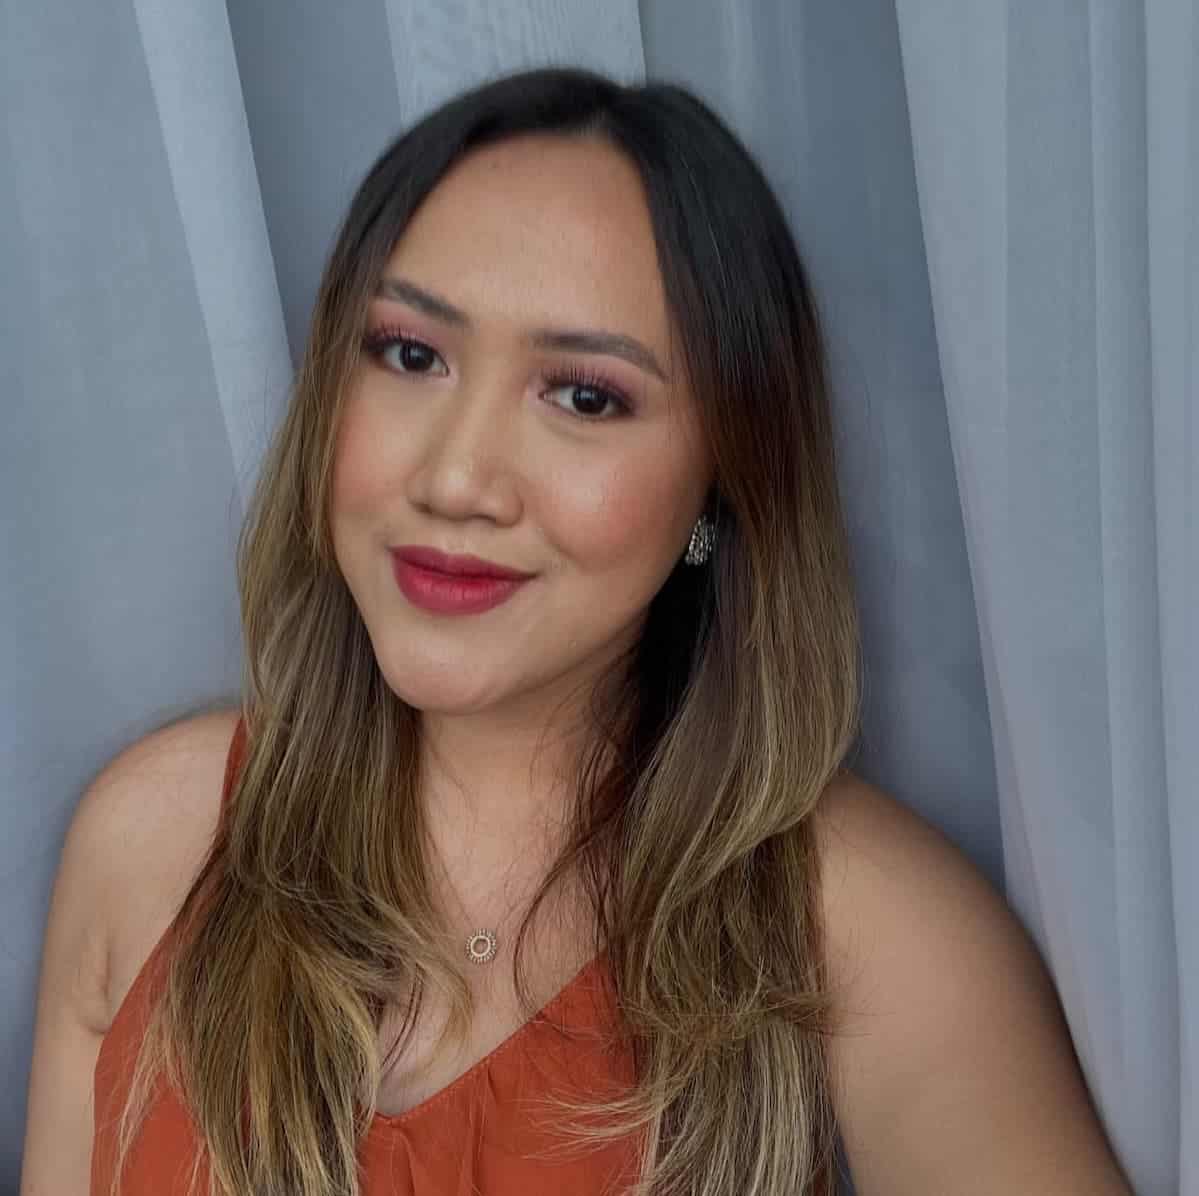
[[703, 538]]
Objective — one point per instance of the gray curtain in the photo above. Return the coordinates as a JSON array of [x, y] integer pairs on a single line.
[[998, 203]]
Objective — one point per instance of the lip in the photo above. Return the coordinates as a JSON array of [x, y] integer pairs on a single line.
[[451, 594], [456, 566]]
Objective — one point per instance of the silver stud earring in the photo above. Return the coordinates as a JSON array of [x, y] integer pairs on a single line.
[[703, 538]]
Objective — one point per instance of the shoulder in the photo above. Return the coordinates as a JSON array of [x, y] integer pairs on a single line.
[[886, 868], [137, 833], [954, 1069], [898, 897], [140, 834]]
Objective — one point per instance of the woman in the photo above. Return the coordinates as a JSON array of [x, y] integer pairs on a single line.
[[528, 858]]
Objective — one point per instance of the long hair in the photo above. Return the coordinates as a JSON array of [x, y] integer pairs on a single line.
[[691, 823]]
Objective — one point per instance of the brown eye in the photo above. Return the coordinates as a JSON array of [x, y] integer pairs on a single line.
[[402, 354], [589, 396], [414, 356]]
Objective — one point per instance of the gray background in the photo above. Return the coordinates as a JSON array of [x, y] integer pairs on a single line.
[[997, 202]]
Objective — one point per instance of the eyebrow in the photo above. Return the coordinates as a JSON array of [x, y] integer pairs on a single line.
[[612, 344]]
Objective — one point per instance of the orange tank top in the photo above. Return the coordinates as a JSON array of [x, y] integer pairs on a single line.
[[477, 1134]]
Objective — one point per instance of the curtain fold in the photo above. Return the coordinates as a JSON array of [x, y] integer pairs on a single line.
[[1172, 140], [143, 360], [1056, 152], [997, 204]]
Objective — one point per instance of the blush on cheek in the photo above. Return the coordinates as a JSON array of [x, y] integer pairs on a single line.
[[630, 518], [359, 466]]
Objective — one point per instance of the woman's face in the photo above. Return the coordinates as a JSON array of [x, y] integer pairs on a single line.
[[527, 289]]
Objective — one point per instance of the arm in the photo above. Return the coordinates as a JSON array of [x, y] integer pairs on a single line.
[[136, 839], [72, 1012], [956, 1073]]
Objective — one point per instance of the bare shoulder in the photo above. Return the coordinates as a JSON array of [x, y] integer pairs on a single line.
[[135, 842], [141, 832], [954, 1069], [875, 850]]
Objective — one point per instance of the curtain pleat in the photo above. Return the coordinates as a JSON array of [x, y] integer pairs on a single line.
[[1055, 159]]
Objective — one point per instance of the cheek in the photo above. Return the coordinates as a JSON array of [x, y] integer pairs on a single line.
[[360, 465], [362, 485], [625, 515]]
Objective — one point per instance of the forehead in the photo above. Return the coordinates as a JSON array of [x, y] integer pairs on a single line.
[[539, 230]]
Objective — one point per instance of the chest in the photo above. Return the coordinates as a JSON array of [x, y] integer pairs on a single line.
[[423, 1067]]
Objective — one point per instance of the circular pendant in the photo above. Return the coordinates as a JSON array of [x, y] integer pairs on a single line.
[[480, 947]]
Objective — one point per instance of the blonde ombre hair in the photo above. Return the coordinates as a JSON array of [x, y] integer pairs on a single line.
[[714, 737]]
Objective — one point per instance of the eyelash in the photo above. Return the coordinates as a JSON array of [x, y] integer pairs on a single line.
[[378, 340]]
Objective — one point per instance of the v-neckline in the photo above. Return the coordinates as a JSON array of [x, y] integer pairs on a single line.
[[384, 1120]]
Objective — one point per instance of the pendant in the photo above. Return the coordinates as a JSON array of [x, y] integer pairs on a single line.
[[481, 946]]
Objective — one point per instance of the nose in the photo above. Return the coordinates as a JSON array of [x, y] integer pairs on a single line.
[[469, 452]]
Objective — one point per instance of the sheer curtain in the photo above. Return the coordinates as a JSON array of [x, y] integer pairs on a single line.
[[998, 205]]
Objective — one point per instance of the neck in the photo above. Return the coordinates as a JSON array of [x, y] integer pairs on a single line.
[[490, 794], [498, 788]]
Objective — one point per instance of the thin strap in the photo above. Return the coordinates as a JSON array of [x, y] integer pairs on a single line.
[[233, 762]]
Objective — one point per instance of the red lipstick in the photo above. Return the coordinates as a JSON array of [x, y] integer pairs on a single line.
[[448, 584]]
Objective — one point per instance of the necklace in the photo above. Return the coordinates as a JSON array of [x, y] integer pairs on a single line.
[[481, 946]]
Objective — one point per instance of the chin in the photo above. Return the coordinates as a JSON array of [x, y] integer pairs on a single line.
[[437, 689]]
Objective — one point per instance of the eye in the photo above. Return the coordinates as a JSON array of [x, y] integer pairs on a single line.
[[402, 354], [592, 393]]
